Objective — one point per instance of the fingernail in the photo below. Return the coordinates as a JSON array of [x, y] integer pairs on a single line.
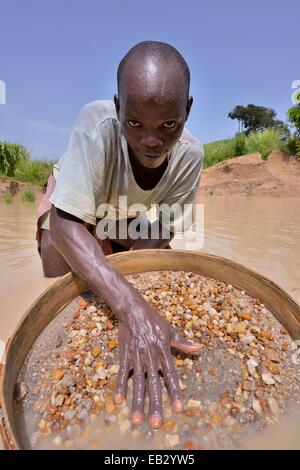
[[155, 421], [177, 406], [119, 399], [137, 418]]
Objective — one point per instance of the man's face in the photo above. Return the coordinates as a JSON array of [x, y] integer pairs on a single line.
[[151, 127]]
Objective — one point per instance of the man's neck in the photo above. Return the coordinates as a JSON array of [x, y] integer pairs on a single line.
[[146, 178]]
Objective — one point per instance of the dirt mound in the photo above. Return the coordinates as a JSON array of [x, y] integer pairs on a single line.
[[279, 176]]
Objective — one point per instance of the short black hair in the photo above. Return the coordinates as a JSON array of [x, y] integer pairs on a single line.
[[158, 50]]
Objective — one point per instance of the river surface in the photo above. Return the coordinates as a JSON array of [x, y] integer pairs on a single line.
[[261, 233]]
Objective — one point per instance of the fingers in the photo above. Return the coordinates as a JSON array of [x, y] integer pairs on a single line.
[[171, 381], [183, 344], [155, 394], [138, 392], [121, 386]]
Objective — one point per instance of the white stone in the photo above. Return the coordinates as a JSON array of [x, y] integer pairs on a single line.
[[273, 406], [268, 379], [193, 403], [247, 338], [114, 369], [101, 372], [172, 440], [91, 309], [257, 407], [58, 441]]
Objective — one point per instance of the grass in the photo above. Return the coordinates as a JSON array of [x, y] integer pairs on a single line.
[[263, 142], [28, 196], [15, 162], [248, 192], [8, 198], [33, 171], [216, 152]]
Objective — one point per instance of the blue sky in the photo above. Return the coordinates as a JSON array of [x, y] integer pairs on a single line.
[[55, 56]]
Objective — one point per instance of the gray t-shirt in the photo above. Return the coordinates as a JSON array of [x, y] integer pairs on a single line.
[[96, 170]]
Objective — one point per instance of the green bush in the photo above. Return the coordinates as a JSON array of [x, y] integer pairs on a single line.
[[263, 142], [28, 196], [10, 156], [294, 118]]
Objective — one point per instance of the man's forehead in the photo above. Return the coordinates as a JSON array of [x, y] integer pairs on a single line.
[[162, 104]]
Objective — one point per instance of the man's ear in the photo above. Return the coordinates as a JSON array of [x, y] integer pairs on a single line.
[[188, 106], [117, 104]]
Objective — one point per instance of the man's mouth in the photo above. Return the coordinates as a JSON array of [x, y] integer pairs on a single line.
[[153, 156]]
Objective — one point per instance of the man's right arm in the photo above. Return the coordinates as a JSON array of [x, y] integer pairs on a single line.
[[145, 338]]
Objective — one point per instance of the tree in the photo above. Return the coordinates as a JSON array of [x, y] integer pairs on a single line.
[[294, 118], [253, 118]]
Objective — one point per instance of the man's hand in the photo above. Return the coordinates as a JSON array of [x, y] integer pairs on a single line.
[[145, 346]]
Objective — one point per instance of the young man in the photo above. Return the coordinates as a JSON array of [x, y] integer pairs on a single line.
[[135, 147]]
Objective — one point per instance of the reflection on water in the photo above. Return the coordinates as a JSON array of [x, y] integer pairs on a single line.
[[261, 233]]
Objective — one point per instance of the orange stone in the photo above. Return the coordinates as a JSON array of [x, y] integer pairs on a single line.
[[179, 362], [96, 350], [83, 303], [58, 374], [112, 344], [244, 316], [169, 425], [217, 419], [188, 445]]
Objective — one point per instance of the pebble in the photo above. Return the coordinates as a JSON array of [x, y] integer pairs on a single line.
[[114, 369], [101, 373], [96, 351], [21, 390], [247, 338], [188, 363], [70, 414], [57, 441], [172, 440], [91, 309], [273, 406], [83, 414], [273, 355], [68, 380], [59, 400], [257, 407], [267, 378], [193, 403], [58, 374]]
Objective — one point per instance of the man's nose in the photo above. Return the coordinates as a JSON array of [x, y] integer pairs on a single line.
[[151, 141]]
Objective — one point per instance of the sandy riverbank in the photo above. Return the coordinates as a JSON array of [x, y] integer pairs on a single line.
[[279, 176]]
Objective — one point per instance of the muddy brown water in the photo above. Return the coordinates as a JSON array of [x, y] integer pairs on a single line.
[[262, 233]]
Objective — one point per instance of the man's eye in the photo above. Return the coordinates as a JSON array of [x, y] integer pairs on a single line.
[[170, 124], [133, 123]]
